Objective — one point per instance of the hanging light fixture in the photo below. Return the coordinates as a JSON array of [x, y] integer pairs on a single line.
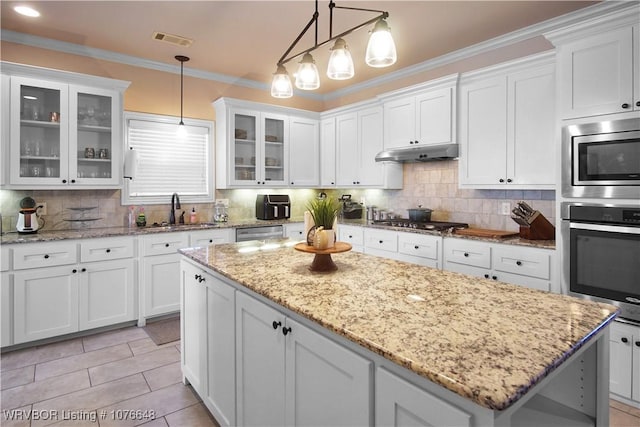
[[182, 131], [381, 52]]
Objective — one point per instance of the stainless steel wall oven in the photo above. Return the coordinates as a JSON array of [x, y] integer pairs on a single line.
[[601, 245], [602, 160]]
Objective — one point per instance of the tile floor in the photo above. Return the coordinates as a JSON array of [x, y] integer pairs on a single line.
[[117, 373]]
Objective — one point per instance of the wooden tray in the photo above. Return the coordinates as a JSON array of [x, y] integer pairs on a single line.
[[481, 232]]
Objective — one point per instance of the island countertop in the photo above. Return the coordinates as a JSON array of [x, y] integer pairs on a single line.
[[487, 341]]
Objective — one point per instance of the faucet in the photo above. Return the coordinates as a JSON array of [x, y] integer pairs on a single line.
[[175, 204]]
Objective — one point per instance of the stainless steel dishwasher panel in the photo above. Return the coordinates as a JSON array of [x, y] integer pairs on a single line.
[[259, 233]]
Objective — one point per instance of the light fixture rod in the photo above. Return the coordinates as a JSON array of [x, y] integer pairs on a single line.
[[314, 19], [182, 60]]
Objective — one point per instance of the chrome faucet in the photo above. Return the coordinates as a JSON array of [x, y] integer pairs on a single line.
[[175, 204]]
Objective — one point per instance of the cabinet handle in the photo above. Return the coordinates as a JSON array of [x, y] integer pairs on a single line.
[[285, 330], [276, 324], [74, 271], [494, 277], [210, 240], [637, 343], [501, 180], [350, 236], [64, 181], [333, 183], [73, 181], [357, 182], [415, 142], [108, 250], [291, 183], [83, 270], [625, 105], [46, 256], [637, 103], [166, 245], [466, 254], [518, 262], [197, 276], [201, 279], [486, 276], [509, 180], [416, 247], [624, 340], [380, 242]]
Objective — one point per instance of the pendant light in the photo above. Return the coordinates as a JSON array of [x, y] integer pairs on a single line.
[[281, 84], [340, 63], [307, 77], [381, 50], [182, 131]]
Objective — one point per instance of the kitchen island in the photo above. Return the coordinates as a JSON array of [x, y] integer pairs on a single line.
[[416, 344]]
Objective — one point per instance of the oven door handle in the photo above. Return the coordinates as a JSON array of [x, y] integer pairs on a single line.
[[609, 228]]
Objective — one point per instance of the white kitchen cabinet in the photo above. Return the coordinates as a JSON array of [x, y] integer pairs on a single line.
[[421, 114], [422, 249], [193, 326], [400, 403], [518, 265], [6, 309], [304, 152], [382, 243], [208, 237], [297, 378], [65, 129], [328, 152], [598, 68], [624, 362], [294, 231], [359, 138], [507, 126], [160, 281], [353, 235]]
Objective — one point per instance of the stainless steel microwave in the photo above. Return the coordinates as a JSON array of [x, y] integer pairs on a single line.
[[602, 160]]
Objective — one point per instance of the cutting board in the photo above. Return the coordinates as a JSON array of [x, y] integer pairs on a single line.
[[491, 234]]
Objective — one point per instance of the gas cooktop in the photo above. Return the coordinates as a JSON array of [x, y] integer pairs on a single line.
[[431, 225]]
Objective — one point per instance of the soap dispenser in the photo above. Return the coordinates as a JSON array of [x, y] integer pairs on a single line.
[[193, 218]]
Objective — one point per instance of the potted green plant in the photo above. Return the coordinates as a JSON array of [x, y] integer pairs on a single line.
[[324, 213]]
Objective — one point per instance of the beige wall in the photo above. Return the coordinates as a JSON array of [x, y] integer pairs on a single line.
[[432, 185]]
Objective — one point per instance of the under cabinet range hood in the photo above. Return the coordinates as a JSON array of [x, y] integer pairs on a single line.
[[422, 153]]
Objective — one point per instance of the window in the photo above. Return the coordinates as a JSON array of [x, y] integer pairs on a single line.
[[161, 163]]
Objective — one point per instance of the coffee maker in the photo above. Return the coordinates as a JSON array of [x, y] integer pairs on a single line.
[[28, 219]]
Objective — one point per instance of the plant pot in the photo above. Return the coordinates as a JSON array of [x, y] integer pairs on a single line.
[[420, 214]]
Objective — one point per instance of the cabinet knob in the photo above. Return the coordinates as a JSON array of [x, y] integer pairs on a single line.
[[501, 180], [416, 247], [73, 181], [624, 340], [108, 250], [466, 254], [494, 277], [285, 331], [380, 241], [46, 256], [415, 142], [166, 245], [291, 183], [486, 276], [64, 181], [637, 103], [509, 180], [83, 270], [276, 324], [518, 262], [197, 276], [210, 240], [625, 105], [357, 182], [201, 279], [333, 183], [637, 343], [350, 236], [74, 271]]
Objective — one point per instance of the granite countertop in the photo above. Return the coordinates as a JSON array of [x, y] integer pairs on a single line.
[[487, 341]]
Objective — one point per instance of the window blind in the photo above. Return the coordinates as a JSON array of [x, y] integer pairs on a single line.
[[167, 163]]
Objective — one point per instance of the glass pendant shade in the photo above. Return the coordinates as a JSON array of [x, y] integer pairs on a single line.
[[307, 77], [281, 84], [381, 50], [340, 63], [181, 132]]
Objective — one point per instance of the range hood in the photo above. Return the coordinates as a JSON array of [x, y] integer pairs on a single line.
[[422, 153]]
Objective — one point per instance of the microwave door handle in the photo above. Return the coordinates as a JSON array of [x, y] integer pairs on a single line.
[[609, 228]]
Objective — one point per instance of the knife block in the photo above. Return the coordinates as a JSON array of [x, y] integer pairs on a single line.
[[539, 229]]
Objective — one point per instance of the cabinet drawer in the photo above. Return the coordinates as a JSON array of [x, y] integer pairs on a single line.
[[468, 252], [106, 249], [418, 245], [165, 243], [5, 261], [523, 261], [381, 240], [353, 235], [44, 255], [212, 237]]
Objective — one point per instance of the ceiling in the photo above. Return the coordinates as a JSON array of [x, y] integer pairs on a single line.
[[245, 39]]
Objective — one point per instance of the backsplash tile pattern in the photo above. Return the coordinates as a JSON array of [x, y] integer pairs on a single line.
[[433, 185]]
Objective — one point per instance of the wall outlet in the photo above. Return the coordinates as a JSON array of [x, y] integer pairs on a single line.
[[43, 209], [505, 208], [225, 202]]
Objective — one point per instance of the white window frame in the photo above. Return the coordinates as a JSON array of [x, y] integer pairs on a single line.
[[147, 199]]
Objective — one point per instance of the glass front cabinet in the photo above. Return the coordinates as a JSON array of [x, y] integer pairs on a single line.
[[258, 149], [64, 135]]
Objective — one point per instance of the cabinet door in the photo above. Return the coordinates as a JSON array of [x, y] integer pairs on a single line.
[[244, 134], [370, 140], [400, 403], [348, 154], [328, 152], [635, 367], [596, 74], [94, 136], [399, 122], [295, 231], [434, 117], [6, 309], [260, 363], [620, 360], [275, 149], [326, 384], [304, 152], [483, 132], [221, 352], [636, 86], [45, 303], [161, 283], [39, 138], [106, 293], [531, 128], [353, 235], [193, 325]]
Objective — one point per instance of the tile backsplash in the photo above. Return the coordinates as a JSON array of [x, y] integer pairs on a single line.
[[432, 185]]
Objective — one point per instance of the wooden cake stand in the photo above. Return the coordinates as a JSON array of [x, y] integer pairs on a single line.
[[322, 261]]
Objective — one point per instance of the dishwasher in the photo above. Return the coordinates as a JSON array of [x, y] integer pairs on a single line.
[[259, 233]]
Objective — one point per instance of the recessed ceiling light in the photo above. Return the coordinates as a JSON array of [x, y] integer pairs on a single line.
[[27, 11]]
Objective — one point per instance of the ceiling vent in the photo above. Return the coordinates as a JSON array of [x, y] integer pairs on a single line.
[[173, 39]]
